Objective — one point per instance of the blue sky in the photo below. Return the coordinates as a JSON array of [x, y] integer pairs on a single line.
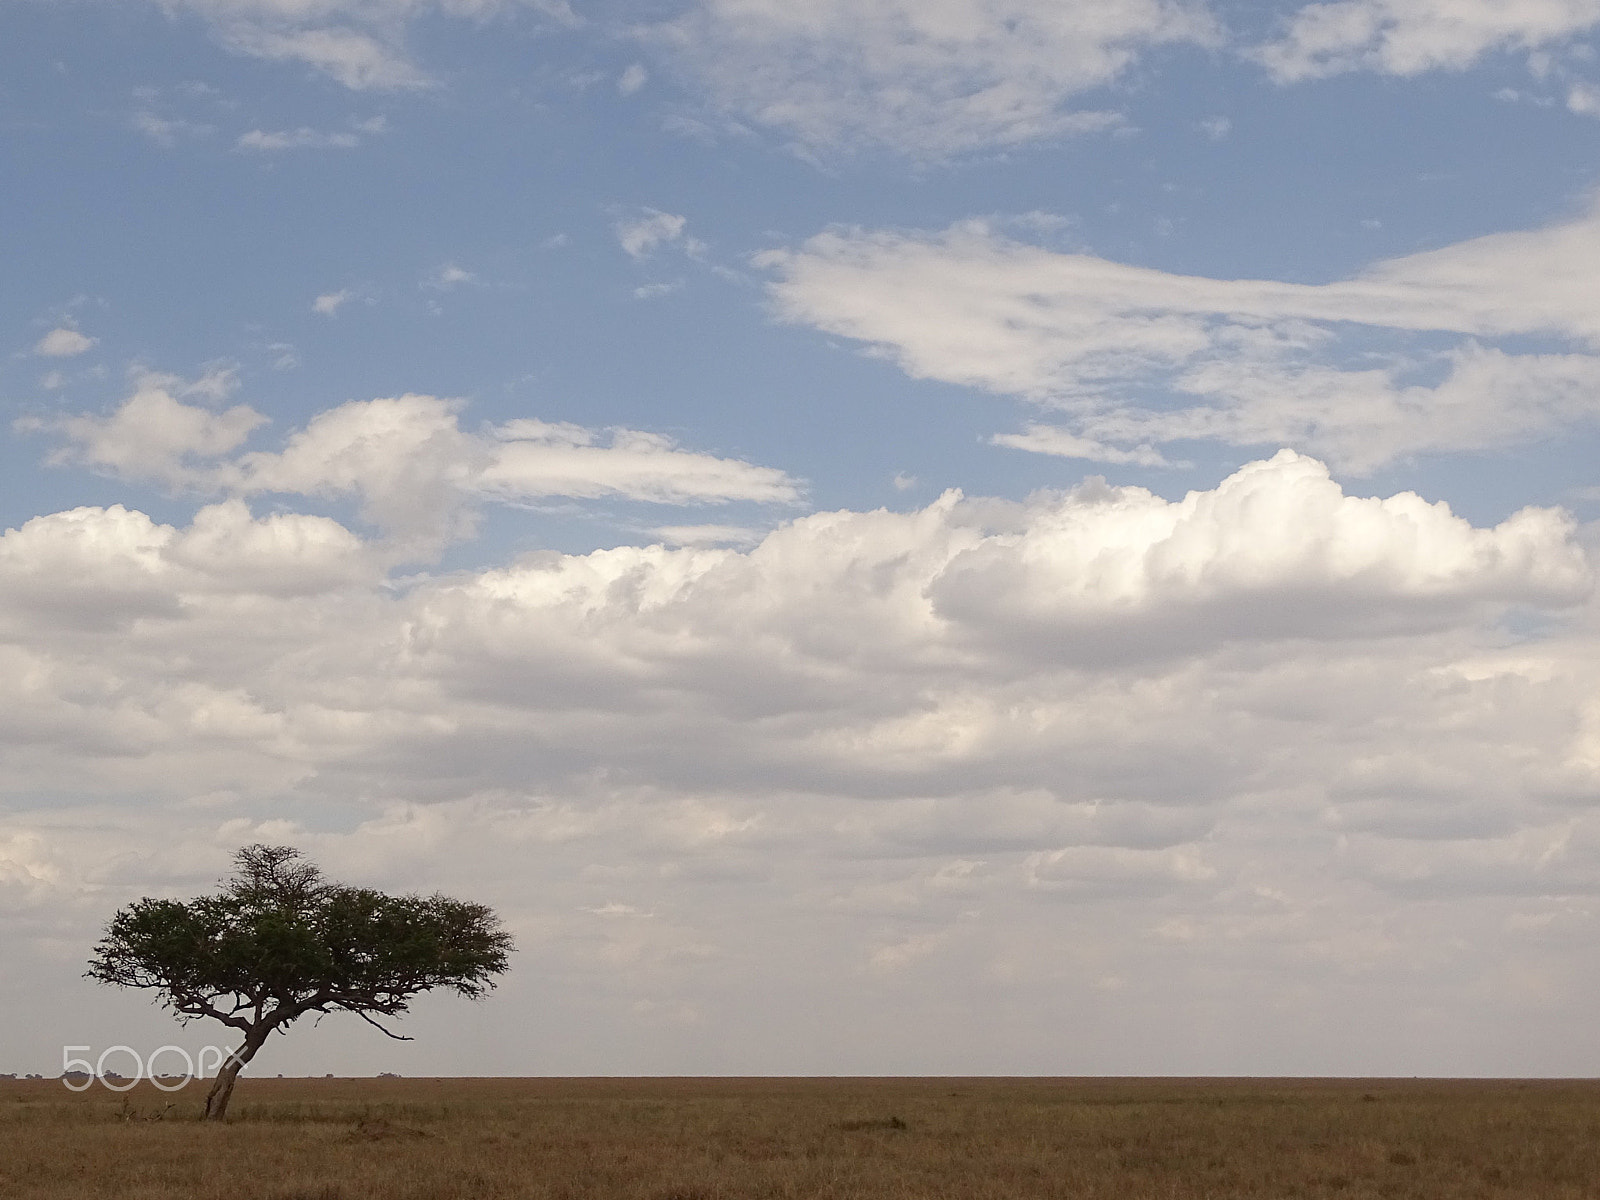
[[817, 507]]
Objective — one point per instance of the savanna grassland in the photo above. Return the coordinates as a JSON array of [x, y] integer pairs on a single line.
[[743, 1139]]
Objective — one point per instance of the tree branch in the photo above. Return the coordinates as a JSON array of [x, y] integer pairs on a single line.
[[195, 1007], [399, 1037]]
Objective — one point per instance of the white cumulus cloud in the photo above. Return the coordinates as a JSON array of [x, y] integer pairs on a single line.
[[652, 228], [632, 79], [416, 473], [329, 303], [155, 434], [63, 342]]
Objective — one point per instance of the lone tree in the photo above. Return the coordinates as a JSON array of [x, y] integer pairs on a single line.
[[280, 941]]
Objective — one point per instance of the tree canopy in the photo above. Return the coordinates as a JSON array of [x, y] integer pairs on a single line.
[[279, 941]]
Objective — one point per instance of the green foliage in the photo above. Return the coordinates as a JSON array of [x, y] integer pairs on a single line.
[[280, 941]]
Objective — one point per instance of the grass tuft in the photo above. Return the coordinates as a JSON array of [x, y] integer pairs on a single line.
[[380, 1129]]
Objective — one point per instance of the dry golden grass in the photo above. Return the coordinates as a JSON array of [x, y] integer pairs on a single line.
[[742, 1139]]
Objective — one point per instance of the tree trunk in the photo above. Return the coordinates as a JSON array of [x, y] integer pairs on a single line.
[[222, 1090]]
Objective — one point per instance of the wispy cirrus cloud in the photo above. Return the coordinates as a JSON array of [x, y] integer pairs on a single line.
[[1408, 37], [1244, 362], [167, 132], [361, 44], [922, 79], [274, 141]]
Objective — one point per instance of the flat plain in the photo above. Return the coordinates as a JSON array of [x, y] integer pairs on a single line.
[[746, 1139]]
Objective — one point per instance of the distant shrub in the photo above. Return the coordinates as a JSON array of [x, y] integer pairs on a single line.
[[872, 1123]]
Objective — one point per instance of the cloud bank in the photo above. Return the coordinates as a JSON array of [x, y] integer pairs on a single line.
[[1268, 719]]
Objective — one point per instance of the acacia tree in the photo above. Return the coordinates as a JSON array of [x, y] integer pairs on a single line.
[[279, 941]]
